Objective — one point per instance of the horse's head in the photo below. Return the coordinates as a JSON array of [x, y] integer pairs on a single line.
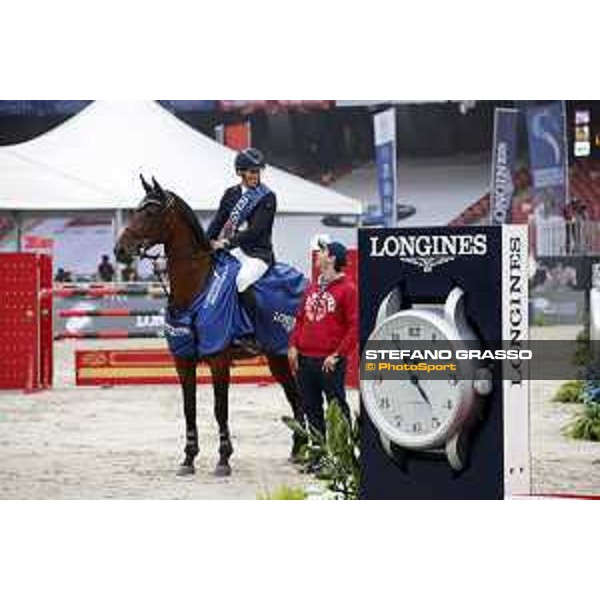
[[148, 225]]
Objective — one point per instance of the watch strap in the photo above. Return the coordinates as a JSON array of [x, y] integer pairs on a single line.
[[425, 289], [416, 291], [401, 456]]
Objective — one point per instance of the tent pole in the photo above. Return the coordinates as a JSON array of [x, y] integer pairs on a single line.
[[19, 228]]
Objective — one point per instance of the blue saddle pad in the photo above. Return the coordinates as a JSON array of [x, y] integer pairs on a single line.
[[216, 317]]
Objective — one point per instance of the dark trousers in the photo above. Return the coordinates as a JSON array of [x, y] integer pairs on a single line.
[[314, 383]]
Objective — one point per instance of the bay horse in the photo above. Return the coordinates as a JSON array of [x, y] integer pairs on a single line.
[[164, 218]]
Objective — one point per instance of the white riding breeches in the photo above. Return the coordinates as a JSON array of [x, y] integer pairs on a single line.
[[251, 269]]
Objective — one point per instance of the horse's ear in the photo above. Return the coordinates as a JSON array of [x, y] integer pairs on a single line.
[[158, 189], [147, 186]]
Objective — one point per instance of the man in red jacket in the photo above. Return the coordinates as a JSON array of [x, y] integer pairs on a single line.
[[325, 335]]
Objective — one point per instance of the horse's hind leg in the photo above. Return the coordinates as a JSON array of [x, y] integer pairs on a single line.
[[281, 371], [186, 370], [220, 371]]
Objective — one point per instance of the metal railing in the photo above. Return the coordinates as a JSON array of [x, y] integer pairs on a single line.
[[554, 236]]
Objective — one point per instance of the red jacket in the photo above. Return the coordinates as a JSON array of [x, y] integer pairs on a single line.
[[327, 320]]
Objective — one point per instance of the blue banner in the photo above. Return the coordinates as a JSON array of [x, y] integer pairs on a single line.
[[504, 159], [189, 105], [546, 127], [385, 158], [42, 108]]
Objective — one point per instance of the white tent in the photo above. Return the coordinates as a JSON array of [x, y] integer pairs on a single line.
[[92, 162], [25, 184]]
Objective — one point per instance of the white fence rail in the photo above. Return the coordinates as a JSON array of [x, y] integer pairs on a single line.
[[554, 236]]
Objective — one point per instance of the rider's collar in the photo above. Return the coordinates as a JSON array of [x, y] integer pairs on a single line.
[[244, 188]]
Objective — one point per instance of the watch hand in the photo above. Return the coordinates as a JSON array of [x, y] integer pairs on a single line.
[[415, 381], [413, 378]]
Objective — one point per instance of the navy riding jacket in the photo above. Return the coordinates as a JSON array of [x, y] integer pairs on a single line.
[[255, 240]]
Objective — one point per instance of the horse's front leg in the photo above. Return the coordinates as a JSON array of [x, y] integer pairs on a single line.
[[186, 370], [220, 371]]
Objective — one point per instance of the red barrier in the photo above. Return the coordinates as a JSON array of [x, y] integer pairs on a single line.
[[109, 334], [46, 322], [101, 292], [110, 312], [154, 366], [25, 321]]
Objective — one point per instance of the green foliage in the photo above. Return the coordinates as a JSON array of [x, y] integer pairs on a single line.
[[334, 458], [570, 392], [284, 492], [586, 425], [540, 320], [583, 354]]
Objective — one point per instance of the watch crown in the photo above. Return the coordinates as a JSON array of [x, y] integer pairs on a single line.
[[483, 381]]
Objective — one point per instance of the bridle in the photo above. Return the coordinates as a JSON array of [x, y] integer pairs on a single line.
[[143, 252]]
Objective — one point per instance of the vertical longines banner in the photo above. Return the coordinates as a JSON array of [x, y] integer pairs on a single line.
[[547, 133], [504, 150], [444, 438], [384, 127]]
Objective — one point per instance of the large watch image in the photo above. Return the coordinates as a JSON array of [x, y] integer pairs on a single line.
[[427, 416]]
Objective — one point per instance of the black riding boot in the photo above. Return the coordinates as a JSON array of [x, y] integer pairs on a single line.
[[248, 299], [248, 343]]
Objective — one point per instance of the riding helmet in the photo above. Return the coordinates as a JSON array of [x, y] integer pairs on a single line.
[[250, 158]]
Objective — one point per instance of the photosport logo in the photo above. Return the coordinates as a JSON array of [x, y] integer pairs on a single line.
[[428, 251], [457, 360]]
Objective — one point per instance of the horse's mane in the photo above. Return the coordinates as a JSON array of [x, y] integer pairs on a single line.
[[190, 216]]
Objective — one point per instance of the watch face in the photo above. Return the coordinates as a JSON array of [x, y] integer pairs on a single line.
[[414, 411]]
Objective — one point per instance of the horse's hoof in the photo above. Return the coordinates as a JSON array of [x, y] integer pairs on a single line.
[[185, 470], [222, 471]]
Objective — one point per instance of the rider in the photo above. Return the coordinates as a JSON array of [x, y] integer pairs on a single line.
[[244, 224]]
